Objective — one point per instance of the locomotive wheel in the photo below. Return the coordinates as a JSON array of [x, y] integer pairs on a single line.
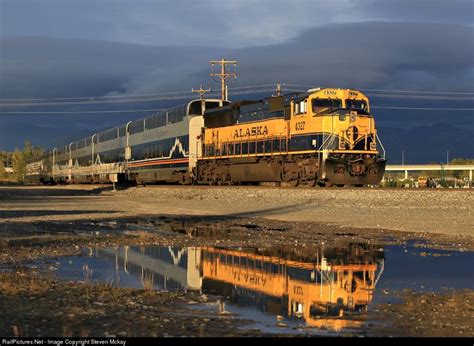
[[312, 182], [324, 184], [295, 182], [291, 178], [227, 180]]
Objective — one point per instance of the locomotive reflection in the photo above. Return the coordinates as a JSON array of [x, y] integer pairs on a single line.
[[322, 286]]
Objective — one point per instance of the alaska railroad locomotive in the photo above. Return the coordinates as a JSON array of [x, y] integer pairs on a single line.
[[320, 137]]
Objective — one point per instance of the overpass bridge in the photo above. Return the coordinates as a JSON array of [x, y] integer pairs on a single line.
[[431, 167]]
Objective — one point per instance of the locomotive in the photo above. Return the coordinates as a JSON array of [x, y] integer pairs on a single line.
[[325, 137]]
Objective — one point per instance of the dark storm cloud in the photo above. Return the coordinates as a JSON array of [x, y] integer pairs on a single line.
[[423, 56], [40, 67], [413, 56], [437, 11], [231, 23]]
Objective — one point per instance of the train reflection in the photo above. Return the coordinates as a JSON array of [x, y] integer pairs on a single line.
[[320, 286]]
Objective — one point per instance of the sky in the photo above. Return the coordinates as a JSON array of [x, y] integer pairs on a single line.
[[230, 23], [79, 48]]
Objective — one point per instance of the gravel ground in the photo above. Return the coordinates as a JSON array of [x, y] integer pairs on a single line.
[[440, 211]]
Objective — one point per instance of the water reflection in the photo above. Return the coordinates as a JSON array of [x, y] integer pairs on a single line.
[[317, 286], [326, 288]]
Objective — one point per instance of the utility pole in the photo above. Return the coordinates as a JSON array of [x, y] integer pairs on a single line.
[[223, 75], [447, 157], [278, 90], [202, 92], [403, 157]]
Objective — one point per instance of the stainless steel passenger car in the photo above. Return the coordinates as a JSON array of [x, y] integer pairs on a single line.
[[160, 147]]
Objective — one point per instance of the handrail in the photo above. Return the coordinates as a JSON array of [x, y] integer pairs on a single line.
[[382, 267], [381, 145], [330, 137]]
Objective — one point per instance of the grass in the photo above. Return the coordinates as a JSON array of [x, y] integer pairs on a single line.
[[147, 280]]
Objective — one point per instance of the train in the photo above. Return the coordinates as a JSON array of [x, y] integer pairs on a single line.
[[321, 137], [319, 286]]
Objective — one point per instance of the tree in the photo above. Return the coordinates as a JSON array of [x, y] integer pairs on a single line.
[[19, 166], [21, 158], [3, 172], [461, 161]]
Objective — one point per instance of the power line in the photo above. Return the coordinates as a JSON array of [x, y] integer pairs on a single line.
[[301, 85], [98, 97], [119, 101], [421, 91], [92, 98], [93, 102], [393, 91], [241, 92], [253, 86], [160, 109], [415, 97], [252, 91], [87, 112], [425, 108], [423, 97]]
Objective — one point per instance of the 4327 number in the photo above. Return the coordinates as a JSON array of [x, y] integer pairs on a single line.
[[299, 126]]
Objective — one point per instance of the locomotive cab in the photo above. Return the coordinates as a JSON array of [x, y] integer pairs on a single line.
[[342, 129]]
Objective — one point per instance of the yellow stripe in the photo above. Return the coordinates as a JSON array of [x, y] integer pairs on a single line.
[[276, 153]]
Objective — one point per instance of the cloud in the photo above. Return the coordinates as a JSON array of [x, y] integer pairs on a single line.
[[387, 55], [413, 55], [232, 24], [372, 55]]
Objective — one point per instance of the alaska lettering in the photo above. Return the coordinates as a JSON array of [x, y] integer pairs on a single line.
[[251, 131]]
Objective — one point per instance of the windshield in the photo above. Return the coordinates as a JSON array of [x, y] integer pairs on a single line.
[[325, 105], [358, 105]]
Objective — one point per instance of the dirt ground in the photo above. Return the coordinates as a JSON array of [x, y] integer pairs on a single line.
[[38, 222], [443, 211], [37, 307]]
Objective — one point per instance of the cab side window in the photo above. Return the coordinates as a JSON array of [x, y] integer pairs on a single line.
[[325, 105], [301, 107]]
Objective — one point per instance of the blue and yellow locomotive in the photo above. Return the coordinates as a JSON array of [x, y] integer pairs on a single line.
[[323, 136]]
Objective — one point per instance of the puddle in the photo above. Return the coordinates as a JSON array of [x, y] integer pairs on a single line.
[[282, 289], [423, 270]]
